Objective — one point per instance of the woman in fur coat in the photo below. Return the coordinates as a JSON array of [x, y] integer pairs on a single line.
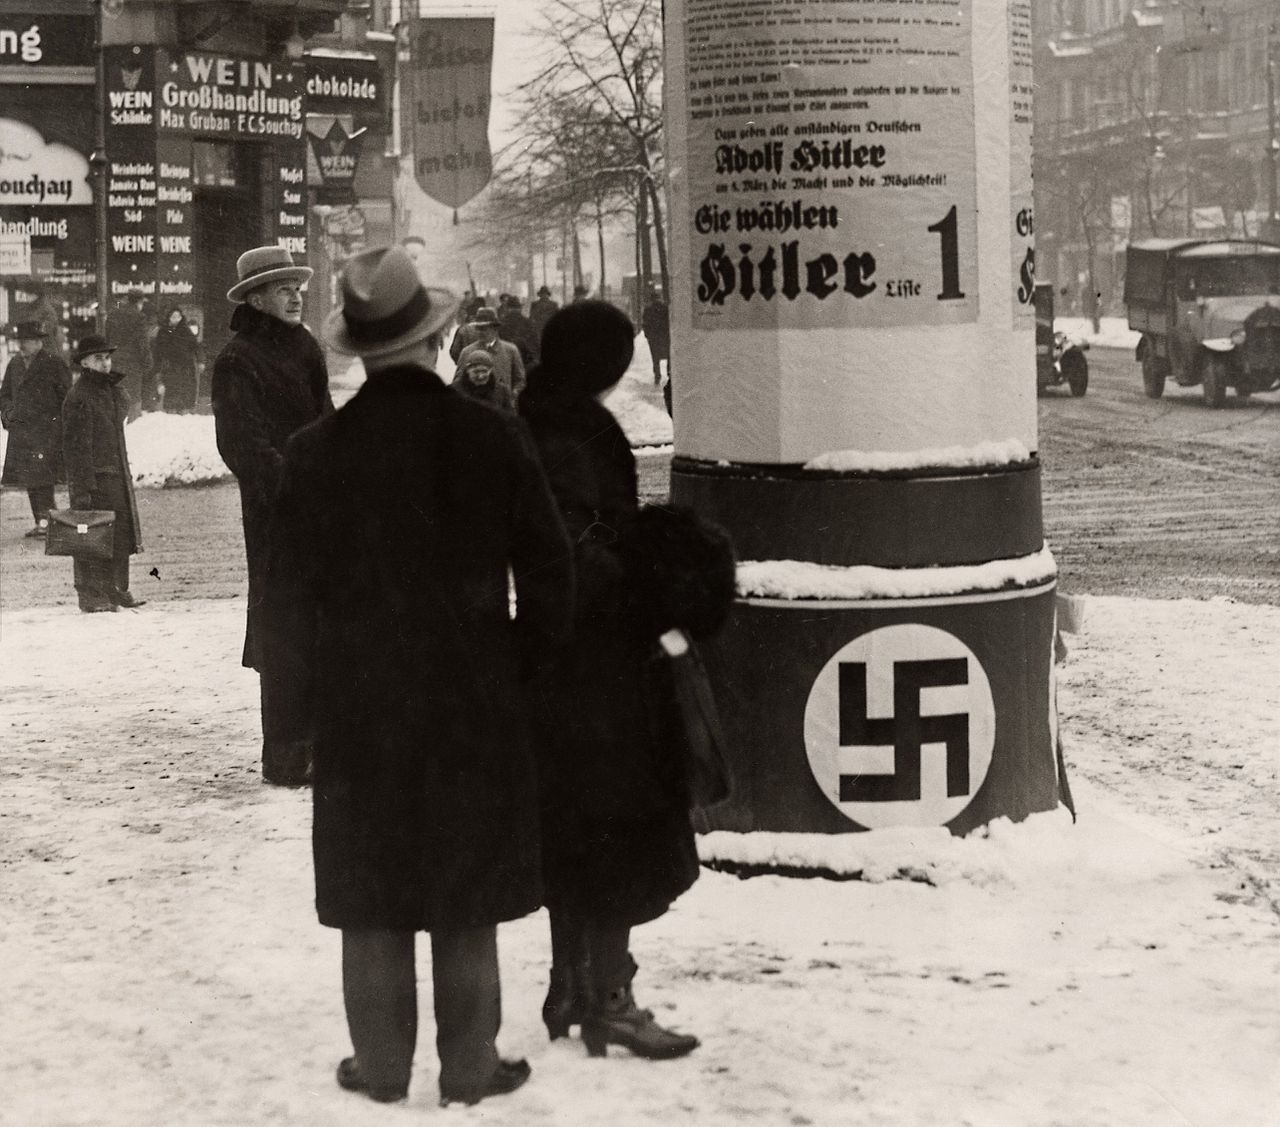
[[617, 844]]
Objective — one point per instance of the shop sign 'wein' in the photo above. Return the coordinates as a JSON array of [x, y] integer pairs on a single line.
[[452, 62]]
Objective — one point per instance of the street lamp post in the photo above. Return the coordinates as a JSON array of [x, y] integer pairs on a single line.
[[98, 167], [1273, 140]]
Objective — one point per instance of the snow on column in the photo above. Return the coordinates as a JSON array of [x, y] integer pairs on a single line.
[[854, 397]]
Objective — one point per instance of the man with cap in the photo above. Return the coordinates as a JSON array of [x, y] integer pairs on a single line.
[[269, 379], [476, 379], [508, 367], [397, 523], [98, 473], [35, 383]]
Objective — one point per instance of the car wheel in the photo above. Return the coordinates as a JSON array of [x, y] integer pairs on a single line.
[[1214, 380], [1152, 375], [1076, 371]]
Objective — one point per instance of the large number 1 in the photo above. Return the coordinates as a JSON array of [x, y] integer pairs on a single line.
[[946, 228]]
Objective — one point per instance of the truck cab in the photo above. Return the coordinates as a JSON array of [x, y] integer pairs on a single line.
[[1209, 314]]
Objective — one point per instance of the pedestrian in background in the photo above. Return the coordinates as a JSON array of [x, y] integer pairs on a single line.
[[177, 362], [617, 844], [36, 381], [49, 314], [541, 310], [398, 521], [269, 380], [98, 473], [127, 325], [476, 379], [508, 367], [657, 332], [516, 328]]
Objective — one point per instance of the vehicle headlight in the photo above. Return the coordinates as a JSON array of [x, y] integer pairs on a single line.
[[1237, 338]]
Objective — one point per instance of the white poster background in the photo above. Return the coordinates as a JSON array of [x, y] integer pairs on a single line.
[[831, 163], [754, 390]]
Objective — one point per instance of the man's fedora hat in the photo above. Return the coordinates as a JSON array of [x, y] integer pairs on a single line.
[[385, 306], [261, 265], [544, 291], [29, 330], [485, 315], [91, 346]]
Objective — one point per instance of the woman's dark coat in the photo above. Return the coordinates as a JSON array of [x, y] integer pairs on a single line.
[[177, 359], [269, 380], [388, 619], [93, 419], [31, 411], [616, 834]]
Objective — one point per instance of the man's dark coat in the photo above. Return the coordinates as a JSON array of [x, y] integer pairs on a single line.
[[93, 418], [269, 380], [31, 411], [616, 834], [388, 616]]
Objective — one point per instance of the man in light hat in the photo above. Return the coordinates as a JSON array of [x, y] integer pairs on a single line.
[[398, 520], [98, 473], [269, 379], [35, 383]]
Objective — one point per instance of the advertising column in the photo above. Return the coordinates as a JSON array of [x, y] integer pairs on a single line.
[[854, 400]]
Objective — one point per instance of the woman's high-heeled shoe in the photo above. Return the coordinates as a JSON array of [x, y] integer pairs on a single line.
[[613, 1018], [566, 1001]]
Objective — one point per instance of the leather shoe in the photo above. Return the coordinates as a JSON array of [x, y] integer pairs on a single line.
[[96, 606], [37, 533], [349, 1078], [126, 600], [506, 1078]]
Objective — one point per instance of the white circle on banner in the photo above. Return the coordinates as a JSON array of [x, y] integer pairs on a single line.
[[899, 727]]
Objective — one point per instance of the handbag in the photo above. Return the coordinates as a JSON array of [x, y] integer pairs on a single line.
[[86, 534], [706, 768]]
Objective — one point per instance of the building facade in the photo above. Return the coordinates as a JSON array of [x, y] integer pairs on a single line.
[[200, 129], [1155, 119]]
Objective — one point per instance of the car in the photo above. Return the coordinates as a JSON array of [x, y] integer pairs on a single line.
[[1058, 360], [1209, 314]]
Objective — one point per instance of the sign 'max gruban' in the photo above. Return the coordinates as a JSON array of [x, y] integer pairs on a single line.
[[450, 76]]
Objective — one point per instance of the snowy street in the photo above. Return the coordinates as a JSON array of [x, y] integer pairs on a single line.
[[163, 963]]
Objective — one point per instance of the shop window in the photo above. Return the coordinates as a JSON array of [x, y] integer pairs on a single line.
[[213, 164]]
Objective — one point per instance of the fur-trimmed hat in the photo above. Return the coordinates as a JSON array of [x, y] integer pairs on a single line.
[[385, 306], [262, 265]]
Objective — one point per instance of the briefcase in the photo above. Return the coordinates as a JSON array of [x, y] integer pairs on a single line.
[[86, 534]]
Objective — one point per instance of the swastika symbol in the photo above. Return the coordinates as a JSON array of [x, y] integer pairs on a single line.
[[899, 727], [906, 731]]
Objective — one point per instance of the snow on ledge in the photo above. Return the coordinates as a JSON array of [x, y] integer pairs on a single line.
[[993, 454], [799, 579]]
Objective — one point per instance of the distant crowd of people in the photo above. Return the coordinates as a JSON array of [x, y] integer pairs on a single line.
[[473, 756]]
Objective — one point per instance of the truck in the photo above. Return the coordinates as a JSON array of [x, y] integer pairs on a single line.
[[1208, 312]]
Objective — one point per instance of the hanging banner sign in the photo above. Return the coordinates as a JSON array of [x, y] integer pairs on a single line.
[[337, 156], [452, 60], [32, 40], [831, 163]]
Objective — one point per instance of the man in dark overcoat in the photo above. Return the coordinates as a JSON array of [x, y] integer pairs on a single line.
[[128, 326], [657, 331], [541, 310], [35, 383], [397, 523], [269, 380], [98, 473]]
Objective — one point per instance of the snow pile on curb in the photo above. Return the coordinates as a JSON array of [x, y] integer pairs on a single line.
[[167, 450], [800, 579], [993, 454], [1114, 332]]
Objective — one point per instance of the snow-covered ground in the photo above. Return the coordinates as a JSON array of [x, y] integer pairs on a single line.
[[160, 962]]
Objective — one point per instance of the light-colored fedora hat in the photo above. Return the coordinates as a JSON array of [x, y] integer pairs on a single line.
[[385, 306], [261, 265]]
